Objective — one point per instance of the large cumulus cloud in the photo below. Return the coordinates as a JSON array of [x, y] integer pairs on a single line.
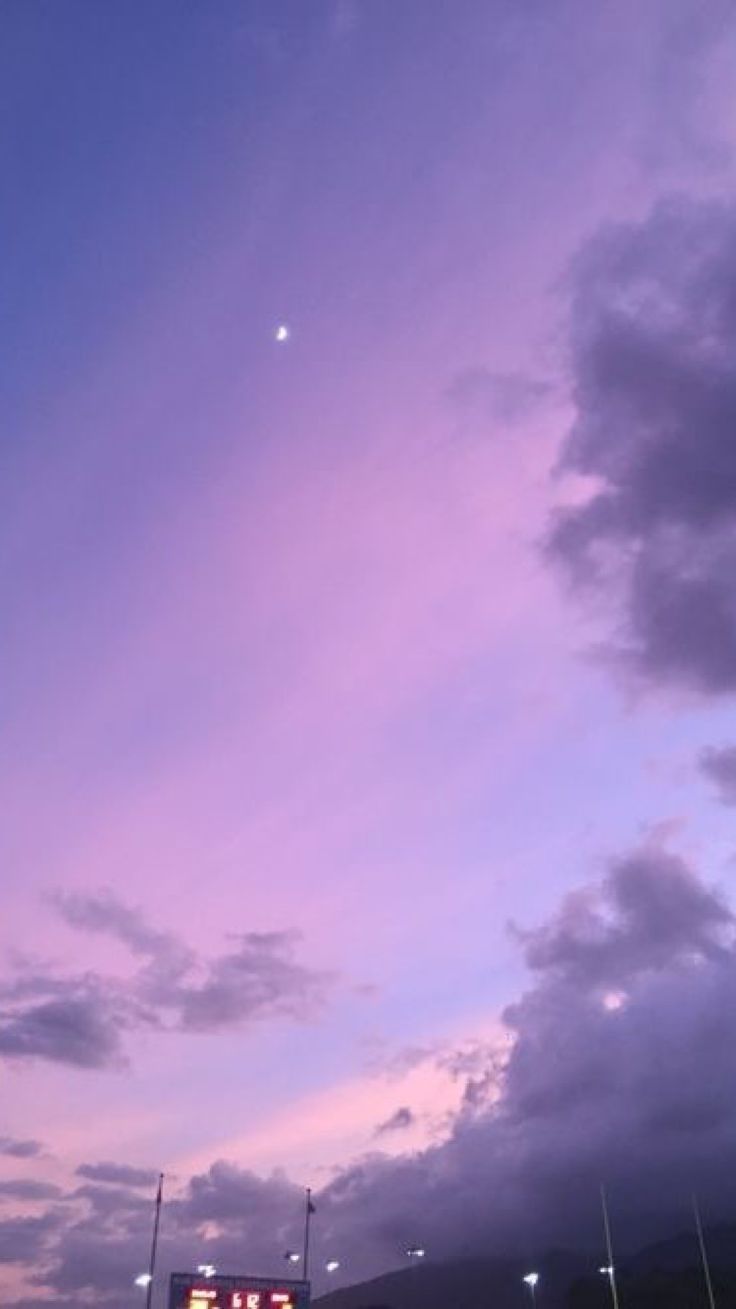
[[620, 1065], [654, 391]]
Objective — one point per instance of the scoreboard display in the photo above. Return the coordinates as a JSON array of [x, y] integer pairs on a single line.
[[190, 1291]]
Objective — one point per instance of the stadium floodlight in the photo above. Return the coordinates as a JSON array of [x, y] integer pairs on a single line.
[[143, 1279], [292, 1257], [416, 1252], [207, 1270], [332, 1265], [531, 1280], [606, 1270]]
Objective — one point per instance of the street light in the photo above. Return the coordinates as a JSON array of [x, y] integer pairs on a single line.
[[531, 1280], [608, 1271], [413, 1254], [207, 1270], [332, 1265], [292, 1257], [143, 1279]]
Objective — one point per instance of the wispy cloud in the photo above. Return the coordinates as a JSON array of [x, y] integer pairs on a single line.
[[82, 1019], [117, 1174], [16, 1148], [397, 1122], [28, 1189]]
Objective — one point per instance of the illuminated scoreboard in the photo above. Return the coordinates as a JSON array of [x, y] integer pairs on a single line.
[[189, 1291]]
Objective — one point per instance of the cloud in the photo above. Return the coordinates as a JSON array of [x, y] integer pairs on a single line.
[[658, 913], [398, 1122], [719, 766], [504, 398], [25, 1188], [20, 1149], [653, 358], [77, 1025], [81, 1019], [260, 977], [117, 1174], [688, 121], [105, 914], [618, 1064], [26, 1241], [657, 1071]]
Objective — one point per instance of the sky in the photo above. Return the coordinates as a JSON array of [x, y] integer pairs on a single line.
[[368, 733]]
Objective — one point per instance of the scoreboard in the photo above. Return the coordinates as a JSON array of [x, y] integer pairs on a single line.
[[189, 1291]]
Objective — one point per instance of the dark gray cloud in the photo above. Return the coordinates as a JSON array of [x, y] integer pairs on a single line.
[[26, 1188], [28, 1241], [105, 1238], [619, 1063], [259, 977], [107, 1200], [81, 1019], [20, 1149], [622, 1039], [654, 388], [106, 914], [117, 1174], [658, 913], [719, 766], [398, 1122], [78, 1024]]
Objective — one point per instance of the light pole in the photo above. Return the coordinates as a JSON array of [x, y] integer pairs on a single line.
[[154, 1241], [703, 1254], [309, 1209], [531, 1279], [610, 1267], [414, 1254], [607, 1271]]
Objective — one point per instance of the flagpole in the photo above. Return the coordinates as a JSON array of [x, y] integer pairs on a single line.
[[609, 1249], [703, 1254], [154, 1241], [309, 1210]]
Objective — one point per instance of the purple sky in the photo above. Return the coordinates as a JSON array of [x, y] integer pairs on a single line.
[[325, 661]]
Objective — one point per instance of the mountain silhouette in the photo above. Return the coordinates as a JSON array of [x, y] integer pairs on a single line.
[[665, 1275]]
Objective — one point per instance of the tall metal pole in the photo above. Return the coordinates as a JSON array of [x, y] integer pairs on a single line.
[[307, 1219], [703, 1254], [609, 1249], [154, 1241]]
